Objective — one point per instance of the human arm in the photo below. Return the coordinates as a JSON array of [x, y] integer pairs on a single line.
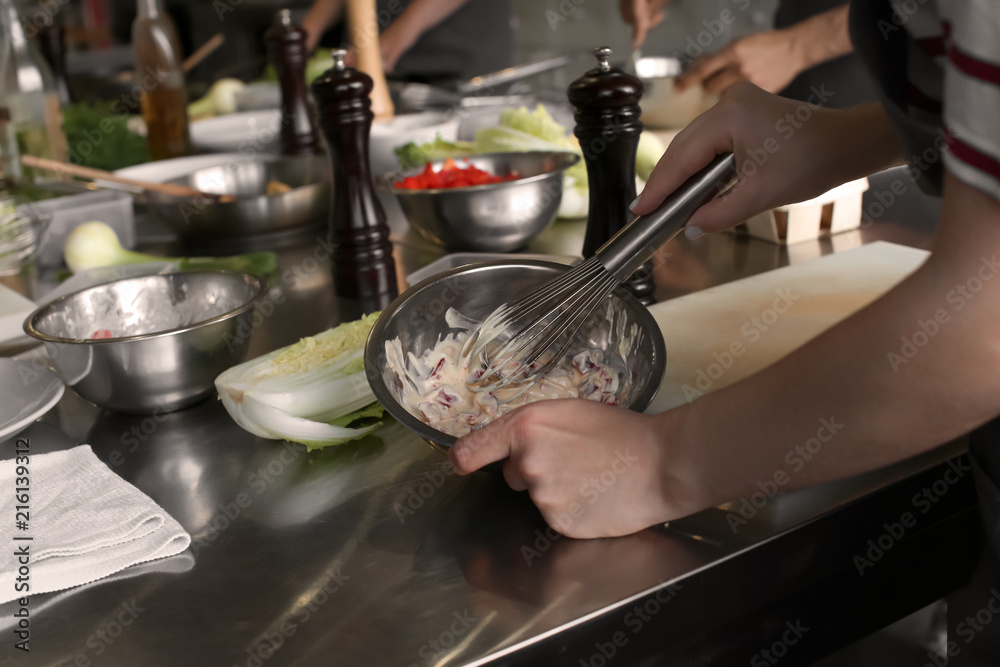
[[643, 16], [786, 151], [320, 16], [880, 406], [772, 59], [842, 388], [419, 17]]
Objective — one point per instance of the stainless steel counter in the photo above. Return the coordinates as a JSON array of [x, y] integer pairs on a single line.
[[374, 553]]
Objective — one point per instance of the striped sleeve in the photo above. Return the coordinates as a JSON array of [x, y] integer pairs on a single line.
[[972, 91]]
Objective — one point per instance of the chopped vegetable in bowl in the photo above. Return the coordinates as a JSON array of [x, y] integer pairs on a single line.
[[452, 176]]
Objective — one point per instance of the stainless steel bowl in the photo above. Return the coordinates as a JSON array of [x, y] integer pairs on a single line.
[[662, 106], [174, 333], [490, 218], [307, 204], [475, 290]]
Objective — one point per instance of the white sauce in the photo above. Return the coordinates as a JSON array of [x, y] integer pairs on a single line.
[[435, 390]]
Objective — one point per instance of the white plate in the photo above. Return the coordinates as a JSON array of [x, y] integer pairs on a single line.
[[30, 391], [252, 132], [166, 170], [246, 132]]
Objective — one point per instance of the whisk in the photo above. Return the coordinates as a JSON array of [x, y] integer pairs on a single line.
[[525, 338]]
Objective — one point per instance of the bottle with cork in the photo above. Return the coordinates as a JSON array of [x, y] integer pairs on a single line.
[[160, 76]]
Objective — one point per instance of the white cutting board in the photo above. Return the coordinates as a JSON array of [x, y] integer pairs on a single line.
[[700, 328]]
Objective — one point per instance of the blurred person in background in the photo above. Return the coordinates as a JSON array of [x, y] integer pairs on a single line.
[[809, 49], [428, 40]]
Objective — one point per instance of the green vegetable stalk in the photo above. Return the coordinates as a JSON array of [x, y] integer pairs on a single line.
[[95, 244], [313, 392]]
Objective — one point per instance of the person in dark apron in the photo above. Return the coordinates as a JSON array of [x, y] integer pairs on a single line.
[[857, 386], [427, 40], [809, 48]]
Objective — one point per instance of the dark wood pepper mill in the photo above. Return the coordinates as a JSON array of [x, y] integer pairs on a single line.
[[606, 105], [286, 45], [363, 266]]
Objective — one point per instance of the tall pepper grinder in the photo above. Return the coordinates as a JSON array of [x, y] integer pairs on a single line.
[[286, 45], [606, 105], [363, 266]]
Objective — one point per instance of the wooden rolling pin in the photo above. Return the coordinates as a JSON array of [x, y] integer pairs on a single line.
[[66, 168], [362, 26]]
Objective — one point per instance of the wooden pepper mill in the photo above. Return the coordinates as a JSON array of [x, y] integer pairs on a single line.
[[363, 266], [606, 108], [286, 45]]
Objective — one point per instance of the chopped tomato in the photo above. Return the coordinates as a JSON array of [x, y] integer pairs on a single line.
[[451, 176], [102, 333]]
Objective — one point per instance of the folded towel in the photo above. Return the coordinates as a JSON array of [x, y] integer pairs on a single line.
[[85, 523]]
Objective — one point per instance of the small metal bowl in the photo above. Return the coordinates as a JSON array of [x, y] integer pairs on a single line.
[[253, 211], [489, 218], [174, 333], [417, 318], [662, 106]]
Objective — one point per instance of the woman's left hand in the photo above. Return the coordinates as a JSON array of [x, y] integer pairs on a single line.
[[592, 470]]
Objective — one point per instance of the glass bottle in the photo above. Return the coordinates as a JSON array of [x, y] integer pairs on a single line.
[[28, 93], [158, 73]]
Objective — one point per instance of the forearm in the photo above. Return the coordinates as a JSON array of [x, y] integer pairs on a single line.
[[320, 16], [422, 15], [862, 143], [822, 37], [863, 398]]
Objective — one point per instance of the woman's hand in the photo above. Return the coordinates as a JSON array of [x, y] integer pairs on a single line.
[[396, 40], [769, 60], [786, 151], [593, 470], [643, 16]]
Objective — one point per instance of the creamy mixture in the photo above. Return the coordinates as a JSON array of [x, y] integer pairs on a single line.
[[435, 384]]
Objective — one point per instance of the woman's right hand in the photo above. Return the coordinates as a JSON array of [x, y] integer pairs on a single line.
[[643, 16], [786, 151]]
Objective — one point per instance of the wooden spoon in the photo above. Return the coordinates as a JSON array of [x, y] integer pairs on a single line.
[[204, 51], [173, 189], [362, 27]]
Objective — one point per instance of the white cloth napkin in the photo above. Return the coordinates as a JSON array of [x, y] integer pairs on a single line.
[[85, 522]]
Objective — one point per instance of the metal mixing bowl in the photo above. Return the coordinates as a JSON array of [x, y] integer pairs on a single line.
[[174, 333], [662, 106], [307, 204], [491, 218], [475, 290]]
